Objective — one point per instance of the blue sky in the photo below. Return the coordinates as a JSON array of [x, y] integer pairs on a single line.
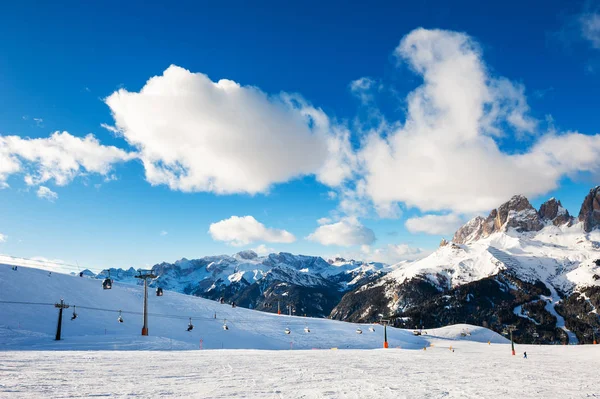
[[294, 65]]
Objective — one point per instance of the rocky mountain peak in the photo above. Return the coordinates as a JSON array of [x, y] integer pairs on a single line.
[[553, 211], [517, 213], [590, 210]]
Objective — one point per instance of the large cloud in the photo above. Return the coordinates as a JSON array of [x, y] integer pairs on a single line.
[[347, 232], [194, 134], [60, 157], [445, 156], [244, 230]]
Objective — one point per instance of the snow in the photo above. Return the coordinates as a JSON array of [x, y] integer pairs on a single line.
[[473, 370]]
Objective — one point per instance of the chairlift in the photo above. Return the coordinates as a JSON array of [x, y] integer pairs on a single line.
[[159, 291], [190, 326], [287, 330], [358, 330], [372, 329], [107, 284], [306, 329], [416, 332], [74, 314], [536, 335], [120, 318], [225, 325]]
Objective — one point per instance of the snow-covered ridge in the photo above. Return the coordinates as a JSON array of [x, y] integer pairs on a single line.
[[248, 268]]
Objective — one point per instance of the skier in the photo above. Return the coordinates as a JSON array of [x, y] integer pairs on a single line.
[[524, 355]]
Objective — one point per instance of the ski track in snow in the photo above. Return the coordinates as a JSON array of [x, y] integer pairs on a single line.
[[474, 370]]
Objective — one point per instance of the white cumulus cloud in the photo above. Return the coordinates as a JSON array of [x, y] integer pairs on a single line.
[[347, 232], [434, 224], [3, 237], [244, 230], [445, 155], [194, 134], [45, 193], [60, 157]]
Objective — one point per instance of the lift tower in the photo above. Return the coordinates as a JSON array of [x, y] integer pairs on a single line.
[[145, 275]]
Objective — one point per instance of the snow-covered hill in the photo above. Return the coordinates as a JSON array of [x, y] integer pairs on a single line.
[[32, 323]]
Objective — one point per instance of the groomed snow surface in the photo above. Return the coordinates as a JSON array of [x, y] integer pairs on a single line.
[[100, 357]]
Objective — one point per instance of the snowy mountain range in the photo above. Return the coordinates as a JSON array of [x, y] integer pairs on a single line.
[[309, 284], [537, 269]]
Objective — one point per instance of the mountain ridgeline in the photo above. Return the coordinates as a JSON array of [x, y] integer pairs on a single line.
[[538, 270]]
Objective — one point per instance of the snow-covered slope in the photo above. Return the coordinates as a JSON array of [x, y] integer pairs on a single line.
[[562, 256], [32, 326]]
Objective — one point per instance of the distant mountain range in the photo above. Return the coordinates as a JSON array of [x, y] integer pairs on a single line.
[[308, 284], [536, 269]]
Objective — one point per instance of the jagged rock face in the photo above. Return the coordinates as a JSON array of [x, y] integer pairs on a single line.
[[552, 210], [444, 242], [516, 213], [471, 231], [590, 210]]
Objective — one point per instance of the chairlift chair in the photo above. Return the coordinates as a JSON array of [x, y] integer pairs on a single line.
[[358, 330], [107, 284], [225, 325], [416, 332], [190, 326], [159, 291], [372, 329], [306, 329], [74, 314], [287, 330], [120, 318]]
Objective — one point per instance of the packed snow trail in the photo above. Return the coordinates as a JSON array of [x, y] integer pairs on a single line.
[[32, 327], [473, 370]]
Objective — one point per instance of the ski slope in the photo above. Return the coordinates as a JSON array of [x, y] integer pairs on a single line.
[[473, 370], [32, 327]]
